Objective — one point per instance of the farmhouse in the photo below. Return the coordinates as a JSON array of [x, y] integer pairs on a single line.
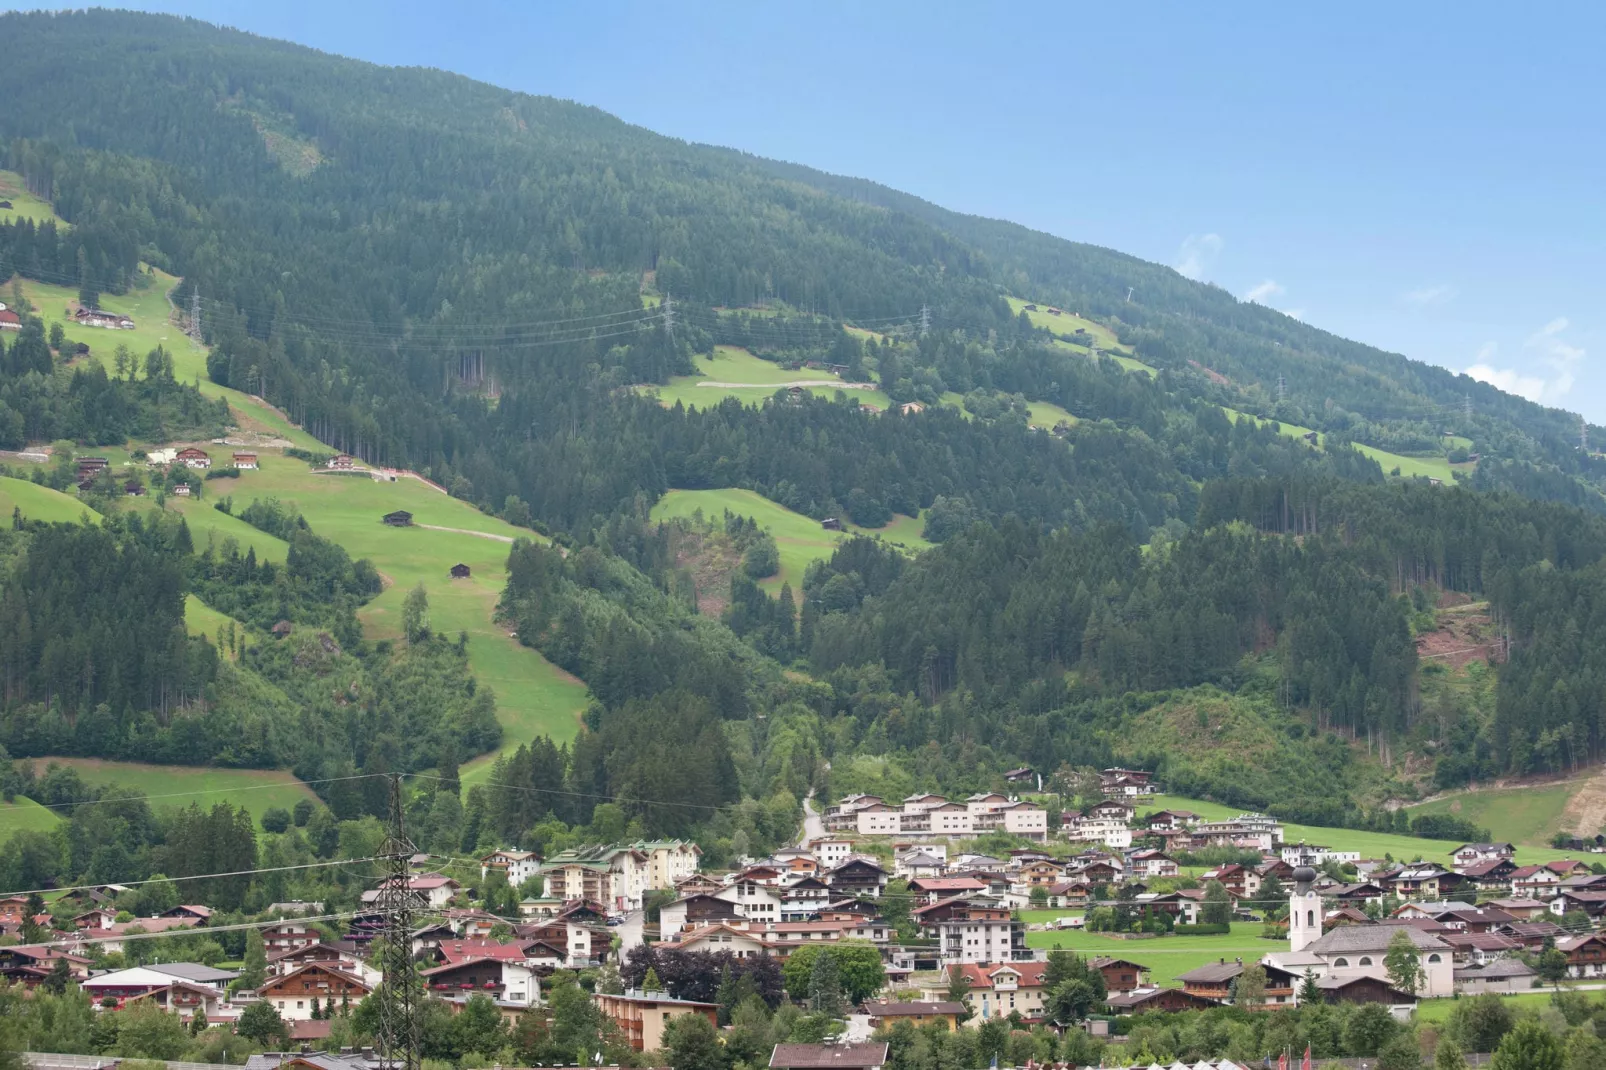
[[190, 457], [1469, 853], [341, 461], [1215, 981], [401, 518], [245, 460], [9, 320], [460, 571], [183, 490], [1144, 1000], [94, 317]]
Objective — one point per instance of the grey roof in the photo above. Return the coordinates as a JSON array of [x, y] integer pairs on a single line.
[[819, 1056], [1499, 969], [1213, 972], [194, 971], [1361, 938]]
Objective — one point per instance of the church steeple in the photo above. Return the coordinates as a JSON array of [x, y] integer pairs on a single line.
[[1304, 911]]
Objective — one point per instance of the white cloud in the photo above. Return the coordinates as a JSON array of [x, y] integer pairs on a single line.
[[1438, 294], [1549, 384], [1198, 253], [1268, 289]]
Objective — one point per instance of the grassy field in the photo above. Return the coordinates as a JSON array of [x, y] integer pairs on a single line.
[[1430, 467], [201, 619], [1046, 414], [1165, 956], [24, 205], [42, 503], [1369, 844], [25, 815], [1437, 1010], [149, 308], [800, 539], [1517, 815], [533, 696], [179, 785], [758, 379]]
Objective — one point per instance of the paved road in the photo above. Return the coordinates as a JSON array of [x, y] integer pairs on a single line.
[[813, 824], [630, 931]]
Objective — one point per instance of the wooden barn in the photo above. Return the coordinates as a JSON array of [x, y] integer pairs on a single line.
[[401, 518]]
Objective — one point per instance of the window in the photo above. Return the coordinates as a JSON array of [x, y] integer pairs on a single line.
[[1310, 918], [1366, 960], [1340, 963], [1434, 958]]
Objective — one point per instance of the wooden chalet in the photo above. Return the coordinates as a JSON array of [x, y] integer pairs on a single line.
[[401, 518], [1362, 989], [460, 571], [1143, 1000], [1216, 981]]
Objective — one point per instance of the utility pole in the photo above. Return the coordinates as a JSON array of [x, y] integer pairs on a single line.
[[398, 995], [195, 314], [1466, 407], [1282, 389], [669, 314], [925, 319]]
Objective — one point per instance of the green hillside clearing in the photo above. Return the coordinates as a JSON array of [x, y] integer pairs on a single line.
[[1517, 815], [1047, 415], [1427, 467], [24, 205], [170, 786], [25, 815], [1165, 956], [1369, 844], [201, 619], [42, 503], [740, 374], [800, 539]]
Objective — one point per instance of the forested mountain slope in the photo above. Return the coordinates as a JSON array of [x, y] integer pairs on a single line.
[[434, 273]]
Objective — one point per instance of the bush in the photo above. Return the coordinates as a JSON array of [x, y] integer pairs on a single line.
[[1202, 929], [275, 819], [230, 472]]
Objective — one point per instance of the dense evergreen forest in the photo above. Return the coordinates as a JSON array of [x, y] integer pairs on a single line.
[[485, 286]]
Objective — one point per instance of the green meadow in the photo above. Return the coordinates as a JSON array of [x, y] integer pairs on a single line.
[[750, 379], [24, 205], [800, 539], [1369, 844], [177, 786], [1165, 956], [1514, 815], [42, 503], [1436, 467], [25, 815]]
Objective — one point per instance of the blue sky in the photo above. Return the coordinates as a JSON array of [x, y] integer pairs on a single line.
[[1424, 177]]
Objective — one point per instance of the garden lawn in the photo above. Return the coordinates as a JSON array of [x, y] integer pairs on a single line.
[[1165, 956], [1438, 1010], [1516, 815], [800, 539], [42, 503], [170, 786], [25, 815]]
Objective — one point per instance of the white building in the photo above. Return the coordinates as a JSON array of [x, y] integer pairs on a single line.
[[517, 866], [832, 853]]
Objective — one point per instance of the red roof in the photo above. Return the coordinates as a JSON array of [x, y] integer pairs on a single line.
[[458, 951], [980, 974], [8, 316]]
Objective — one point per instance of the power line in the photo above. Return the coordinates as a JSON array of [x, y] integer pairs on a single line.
[[398, 1033], [194, 876]]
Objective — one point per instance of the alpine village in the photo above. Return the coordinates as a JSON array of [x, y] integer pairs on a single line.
[[488, 585]]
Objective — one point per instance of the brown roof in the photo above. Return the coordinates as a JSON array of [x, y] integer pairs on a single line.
[[820, 1056], [901, 1010]]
